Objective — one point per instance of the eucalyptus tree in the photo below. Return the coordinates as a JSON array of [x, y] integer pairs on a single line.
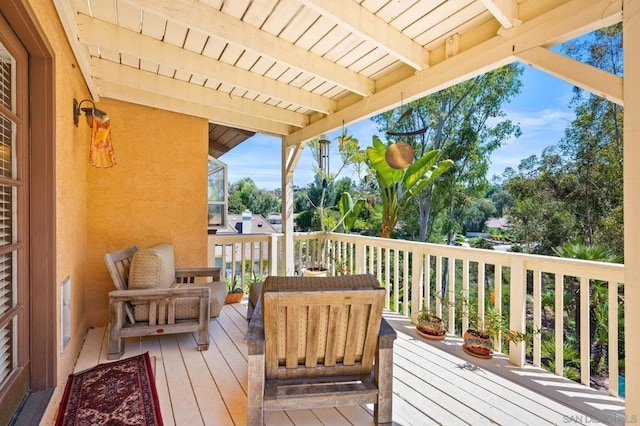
[[466, 124], [594, 140]]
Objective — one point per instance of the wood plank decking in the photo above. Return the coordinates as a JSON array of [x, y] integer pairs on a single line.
[[434, 383]]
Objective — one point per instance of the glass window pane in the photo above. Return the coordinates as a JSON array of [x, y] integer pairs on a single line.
[[216, 214], [7, 194], [7, 144], [7, 283], [7, 79]]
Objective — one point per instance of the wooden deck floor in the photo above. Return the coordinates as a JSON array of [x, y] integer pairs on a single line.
[[434, 383]]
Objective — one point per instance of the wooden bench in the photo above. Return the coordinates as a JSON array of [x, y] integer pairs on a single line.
[[313, 347]]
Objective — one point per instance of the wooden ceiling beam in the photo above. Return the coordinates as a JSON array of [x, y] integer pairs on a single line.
[[132, 77], [569, 20], [210, 21], [585, 76], [94, 32], [366, 25], [505, 11], [110, 89]]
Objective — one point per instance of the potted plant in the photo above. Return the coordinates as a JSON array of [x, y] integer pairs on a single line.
[[235, 293], [429, 325], [481, 334]]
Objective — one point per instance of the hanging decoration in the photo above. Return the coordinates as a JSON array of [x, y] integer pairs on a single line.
[[323, 160], [400, 155], [101, 150]]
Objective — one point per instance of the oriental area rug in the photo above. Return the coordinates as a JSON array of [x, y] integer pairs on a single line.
[[116, 393]]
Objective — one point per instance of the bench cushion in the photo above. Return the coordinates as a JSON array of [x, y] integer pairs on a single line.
[[153, 267]]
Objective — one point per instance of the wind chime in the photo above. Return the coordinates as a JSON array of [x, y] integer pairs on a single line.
[[323, 160], [400, 155]]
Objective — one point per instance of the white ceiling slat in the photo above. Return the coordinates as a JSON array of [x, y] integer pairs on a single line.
[[214, 48], [129, 60], [235, 8], [217, 115], [149, 66], [231, 54], [505, 11], [446, 18], [129, 17], [196, 15], [197, 80], [284, 11], [247, 60], [316, 31], [462, 27], [94, 32], [602, 83], [258, 12], [546, 29], [153, 25], [67, 17], [343, 47], [104, 10], [165, 70], [175, 33], [373, 29], [110, 55], [426, 14], [195, 41], [388, 11]]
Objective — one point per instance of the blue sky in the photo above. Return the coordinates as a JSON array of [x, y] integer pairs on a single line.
[[541, 109]]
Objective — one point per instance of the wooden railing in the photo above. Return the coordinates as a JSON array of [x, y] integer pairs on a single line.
[[528, 289]]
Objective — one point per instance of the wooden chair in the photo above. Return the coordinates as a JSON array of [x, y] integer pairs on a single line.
[[317, 343], [178, 306]]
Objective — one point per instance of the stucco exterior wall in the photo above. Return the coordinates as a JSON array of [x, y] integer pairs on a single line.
[[157, 192]]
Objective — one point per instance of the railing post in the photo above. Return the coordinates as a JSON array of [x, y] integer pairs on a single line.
[[273, 255], [360, 257], [517, 306], [417, 283]]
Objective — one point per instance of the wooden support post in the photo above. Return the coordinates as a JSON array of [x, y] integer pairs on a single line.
[[631, 34]]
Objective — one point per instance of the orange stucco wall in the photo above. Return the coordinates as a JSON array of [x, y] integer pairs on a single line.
[[157, 192]]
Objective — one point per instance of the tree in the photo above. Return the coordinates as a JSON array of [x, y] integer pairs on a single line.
[[466, 123], [398, 187], [245, 195], [594, 141]]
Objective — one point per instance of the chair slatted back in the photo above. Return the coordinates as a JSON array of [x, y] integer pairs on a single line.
[[321, 332], [118, 264]]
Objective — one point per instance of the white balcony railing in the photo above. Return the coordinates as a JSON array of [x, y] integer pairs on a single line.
[[531, 288]]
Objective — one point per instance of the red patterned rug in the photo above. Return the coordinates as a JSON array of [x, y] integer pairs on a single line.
[[116, 393]]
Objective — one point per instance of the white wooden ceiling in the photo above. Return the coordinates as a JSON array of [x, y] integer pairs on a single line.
[[299, 68]]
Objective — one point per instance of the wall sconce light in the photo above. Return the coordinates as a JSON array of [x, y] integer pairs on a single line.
[[89, 112]]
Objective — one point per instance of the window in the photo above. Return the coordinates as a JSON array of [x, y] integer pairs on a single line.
[[217, 194]]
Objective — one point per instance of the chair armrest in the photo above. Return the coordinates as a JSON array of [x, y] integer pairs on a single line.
[[255, 333], [150, 294], [386, 335], [188, 275]]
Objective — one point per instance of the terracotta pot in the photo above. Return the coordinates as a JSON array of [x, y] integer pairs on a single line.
[[432, 329], [233, 298], [477, 343]]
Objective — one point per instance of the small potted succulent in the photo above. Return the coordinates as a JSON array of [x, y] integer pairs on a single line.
[[479, 337], [429, 325], [235, 293]]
